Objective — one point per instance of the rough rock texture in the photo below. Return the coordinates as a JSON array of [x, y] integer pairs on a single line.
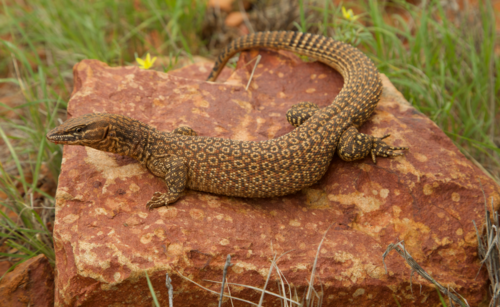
[[30, 284], [4, 266], [105, 238]]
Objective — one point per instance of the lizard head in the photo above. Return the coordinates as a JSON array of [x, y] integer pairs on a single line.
[[86, 130]]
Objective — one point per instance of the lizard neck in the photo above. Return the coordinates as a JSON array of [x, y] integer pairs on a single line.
[[127, 137]]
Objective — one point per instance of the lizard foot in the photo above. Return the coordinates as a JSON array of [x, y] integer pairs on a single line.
[[301, 112], [354, 146], [380, 148], [159, 199]]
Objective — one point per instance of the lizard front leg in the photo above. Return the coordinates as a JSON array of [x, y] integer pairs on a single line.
[[175, 178], [354, 145]]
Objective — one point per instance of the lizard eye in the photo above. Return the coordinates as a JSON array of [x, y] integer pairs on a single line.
[[78, 130]]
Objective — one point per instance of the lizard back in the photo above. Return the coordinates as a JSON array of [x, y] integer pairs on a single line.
[[269, 168], [300, 158]]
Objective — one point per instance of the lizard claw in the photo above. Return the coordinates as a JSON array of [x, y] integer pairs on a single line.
[[160, 199], [381, 149], [156, 201]]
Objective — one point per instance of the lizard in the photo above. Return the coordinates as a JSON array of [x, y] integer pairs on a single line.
[[269, 168]]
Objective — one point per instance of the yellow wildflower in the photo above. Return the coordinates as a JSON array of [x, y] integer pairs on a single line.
[[147, 63], [348, 14]]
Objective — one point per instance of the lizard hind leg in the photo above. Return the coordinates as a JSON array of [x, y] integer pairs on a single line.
[[354, 145], [301, 112], [185, 130]]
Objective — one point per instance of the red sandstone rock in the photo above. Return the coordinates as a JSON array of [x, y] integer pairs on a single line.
[[105, 238], [4, 266], [30, 284]]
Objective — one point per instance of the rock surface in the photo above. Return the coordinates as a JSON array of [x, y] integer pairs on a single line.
[[30, 284], [4, 266], [105, 238]]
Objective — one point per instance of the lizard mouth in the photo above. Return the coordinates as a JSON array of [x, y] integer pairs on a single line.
[[53, 139], [56, 138]]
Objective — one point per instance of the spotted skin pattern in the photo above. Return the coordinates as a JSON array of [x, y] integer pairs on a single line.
[[269, 168], [185, 130], [301, 112]]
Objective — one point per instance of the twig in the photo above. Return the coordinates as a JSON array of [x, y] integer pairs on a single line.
[[249, 287], [257, 59], [282, 281], [228, 264], [229, 291], [267, 280], [315, 262], [420, 271], [488, 248], [209, 290], [280, 292], [168, 283]]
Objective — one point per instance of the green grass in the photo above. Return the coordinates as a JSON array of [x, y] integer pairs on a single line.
[[449, 73], [446, 68]]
